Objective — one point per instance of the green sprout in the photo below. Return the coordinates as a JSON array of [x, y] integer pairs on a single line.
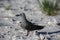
[[48, 7]]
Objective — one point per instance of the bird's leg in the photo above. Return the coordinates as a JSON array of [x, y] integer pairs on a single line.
[[27, 32]]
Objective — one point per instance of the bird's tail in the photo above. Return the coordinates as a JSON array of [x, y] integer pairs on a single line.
[[35, 27]]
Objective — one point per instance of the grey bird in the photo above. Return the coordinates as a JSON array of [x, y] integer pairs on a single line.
[[29, 26]]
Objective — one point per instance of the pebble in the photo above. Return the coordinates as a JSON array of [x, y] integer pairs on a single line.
[[16, 29], [58, 24], [2, 36], [21, 8], [20, 22], [4, 33], [18, 15], [11, 27], [13, 20], [25, 9]]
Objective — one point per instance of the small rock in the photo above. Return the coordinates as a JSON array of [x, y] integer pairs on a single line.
[[25, 9], [17, 15], [16, 29], [3, 36], [0, 36], [21, 7], [8, 31], [46, 38], [10, 27], [13, 20], [41, 37], [20, 22], [31, 19], [4, 33], [28, 2], [58, 24], [24, 37]]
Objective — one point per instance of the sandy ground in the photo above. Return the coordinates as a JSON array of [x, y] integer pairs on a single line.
[[10, 28]]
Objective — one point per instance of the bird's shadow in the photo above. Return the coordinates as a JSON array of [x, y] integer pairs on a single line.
[[45, 33], [49, 33]]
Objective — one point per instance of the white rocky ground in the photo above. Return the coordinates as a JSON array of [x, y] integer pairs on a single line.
[[11, 30]]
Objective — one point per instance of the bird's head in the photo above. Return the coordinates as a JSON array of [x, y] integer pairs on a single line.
[[22, 14]]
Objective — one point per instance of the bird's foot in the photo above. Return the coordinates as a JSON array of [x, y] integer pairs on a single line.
[[27, 33]]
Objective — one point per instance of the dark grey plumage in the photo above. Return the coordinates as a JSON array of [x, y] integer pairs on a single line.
[[28, 25]]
